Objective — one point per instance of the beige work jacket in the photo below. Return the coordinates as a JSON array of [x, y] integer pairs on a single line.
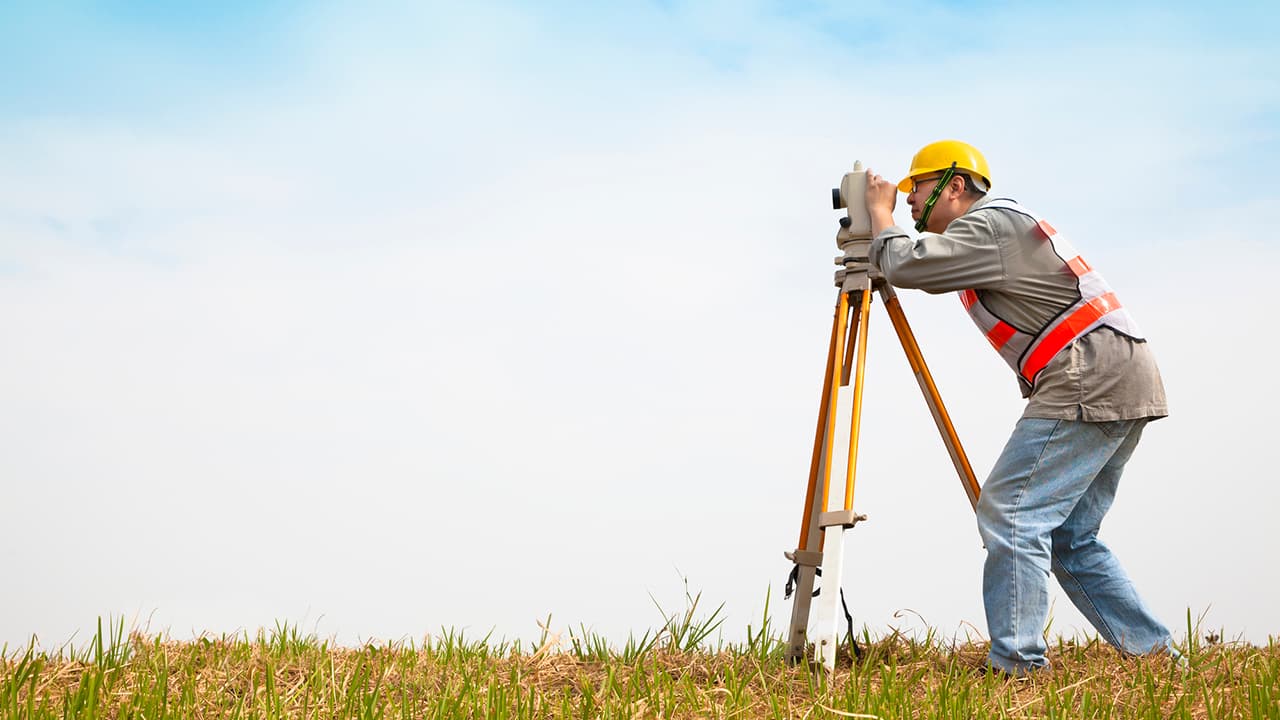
[[1102, 376]]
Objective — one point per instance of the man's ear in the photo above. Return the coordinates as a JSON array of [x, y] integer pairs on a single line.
[[956, 185]]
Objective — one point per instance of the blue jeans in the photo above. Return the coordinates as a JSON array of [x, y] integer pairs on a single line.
[[1041, 510]]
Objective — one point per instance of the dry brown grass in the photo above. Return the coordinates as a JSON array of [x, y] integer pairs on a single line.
[[286, 675]]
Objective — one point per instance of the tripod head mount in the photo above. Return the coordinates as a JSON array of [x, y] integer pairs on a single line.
[[854, 236], [856, 271]]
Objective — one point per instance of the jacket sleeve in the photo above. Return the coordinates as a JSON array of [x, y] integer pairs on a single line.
[[965, 257]]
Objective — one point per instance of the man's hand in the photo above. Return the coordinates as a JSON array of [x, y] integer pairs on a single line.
[[882, 195]]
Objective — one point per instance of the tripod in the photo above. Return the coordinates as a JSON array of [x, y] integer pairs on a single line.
[[821, 542]]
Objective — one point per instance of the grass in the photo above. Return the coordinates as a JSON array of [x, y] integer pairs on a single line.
[[671, 672]]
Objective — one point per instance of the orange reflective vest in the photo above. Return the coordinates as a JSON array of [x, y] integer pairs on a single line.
[[1029, 353]]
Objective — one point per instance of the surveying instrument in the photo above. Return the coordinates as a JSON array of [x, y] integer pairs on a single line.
[[821, 547]]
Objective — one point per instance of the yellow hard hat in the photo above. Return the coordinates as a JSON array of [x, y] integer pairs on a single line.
[[940, 155]]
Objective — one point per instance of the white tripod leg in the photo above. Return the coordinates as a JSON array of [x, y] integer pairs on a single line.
[[826, 636]]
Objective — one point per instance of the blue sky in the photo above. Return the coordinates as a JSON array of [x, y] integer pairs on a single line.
[[132, 62], [100, 57], [294, 291]]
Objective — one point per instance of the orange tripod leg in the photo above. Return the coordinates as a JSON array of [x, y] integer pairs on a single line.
[[808, 552], [820, 466], [864, 320]]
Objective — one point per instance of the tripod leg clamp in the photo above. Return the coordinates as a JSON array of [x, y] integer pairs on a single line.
[[844, 518], [808, 558]]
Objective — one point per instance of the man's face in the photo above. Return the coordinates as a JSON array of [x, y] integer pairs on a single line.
[[921, 189]]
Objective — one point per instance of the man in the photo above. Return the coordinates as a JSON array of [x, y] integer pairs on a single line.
[[1090, 381]]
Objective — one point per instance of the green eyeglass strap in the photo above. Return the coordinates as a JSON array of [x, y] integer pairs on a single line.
[[933, 197]]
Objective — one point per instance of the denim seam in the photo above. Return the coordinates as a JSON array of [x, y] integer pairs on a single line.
[[1112, 638], [1106, 628], [1016, 505]]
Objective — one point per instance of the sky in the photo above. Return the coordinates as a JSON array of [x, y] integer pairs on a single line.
[[384, 319]]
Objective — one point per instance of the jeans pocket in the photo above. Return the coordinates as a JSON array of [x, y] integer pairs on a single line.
[[1114, 428]]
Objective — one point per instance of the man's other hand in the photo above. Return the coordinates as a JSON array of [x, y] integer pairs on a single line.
[[882, 195]]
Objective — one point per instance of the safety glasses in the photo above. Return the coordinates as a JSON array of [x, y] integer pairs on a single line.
[[916, 183]]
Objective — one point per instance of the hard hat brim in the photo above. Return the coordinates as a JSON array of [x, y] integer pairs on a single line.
[[943, 154]]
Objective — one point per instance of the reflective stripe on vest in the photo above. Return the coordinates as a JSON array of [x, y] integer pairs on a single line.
[[1028, 354]]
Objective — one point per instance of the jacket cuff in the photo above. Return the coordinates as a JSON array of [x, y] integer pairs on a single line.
[[885, 235]]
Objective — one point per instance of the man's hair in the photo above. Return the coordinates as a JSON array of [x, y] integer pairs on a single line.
[[970, 187]]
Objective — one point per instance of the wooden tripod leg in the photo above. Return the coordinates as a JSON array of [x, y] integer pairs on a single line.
[[931, 396], [855, 426], [855, 321], [809, 549], [826, 632]]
